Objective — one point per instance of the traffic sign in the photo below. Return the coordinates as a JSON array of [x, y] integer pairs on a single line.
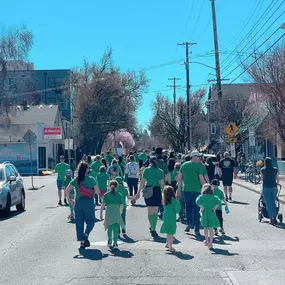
[[231, 129], [29, 137]]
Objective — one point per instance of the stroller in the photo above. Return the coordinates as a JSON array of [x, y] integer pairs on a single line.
[[262, 211]]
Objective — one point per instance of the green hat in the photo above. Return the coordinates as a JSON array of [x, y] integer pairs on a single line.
[[119, 180]]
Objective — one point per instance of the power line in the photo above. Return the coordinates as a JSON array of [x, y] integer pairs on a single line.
[[247, 46], [199, 15]]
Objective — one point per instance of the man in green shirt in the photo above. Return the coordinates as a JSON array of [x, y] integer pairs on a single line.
[[95, 166], [143, 156], [191, 177], [109, 157], [60, 169]]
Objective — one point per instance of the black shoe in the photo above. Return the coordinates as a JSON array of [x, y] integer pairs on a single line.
[[65, 202], [123, 231], [187, 230], [86, 241], [59, 203], [230, 199], [115, 247], [154, 234], [109, 244], [227, 199], [197, 233]]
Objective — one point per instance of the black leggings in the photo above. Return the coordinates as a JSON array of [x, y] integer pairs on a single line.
[[219, 214], [133, 185]]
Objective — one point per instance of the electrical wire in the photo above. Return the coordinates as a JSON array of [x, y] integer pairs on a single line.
[[197, 21]]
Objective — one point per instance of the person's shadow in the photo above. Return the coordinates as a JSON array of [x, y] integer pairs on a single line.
[[181, 255], [225, 252], [121, 253], [91, 254]]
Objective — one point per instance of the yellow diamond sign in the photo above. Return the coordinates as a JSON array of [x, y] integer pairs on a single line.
[[231, 129]]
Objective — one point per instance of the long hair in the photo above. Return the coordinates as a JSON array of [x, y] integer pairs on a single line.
[[168, 194], [171, 164], [89, 158], [113, 186], [104, 162], [207, 189], [82, 169]]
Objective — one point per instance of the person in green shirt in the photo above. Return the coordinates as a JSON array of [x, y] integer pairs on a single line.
[[136, 157], [220, 194], [125, 194], [143, 156], [152, 177], [60, 169], [191, 177], [95, 166], [208, 204], [114, 205], [102, 180], [84, 204], [114, 170], [109, 158], [66, 182]]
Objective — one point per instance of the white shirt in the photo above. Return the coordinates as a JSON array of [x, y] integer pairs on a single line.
[[132, 170]]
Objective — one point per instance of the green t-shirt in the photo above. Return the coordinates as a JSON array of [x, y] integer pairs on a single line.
[[190, 175], [137, 157], [124, 192], [162, 166], [143, 157], [95, 166], [88, 182], [109, 158], [173, 174], [153, 175], [66, 181], [220, 194], [102, 180], [204, 169], [113, 198], [60, 169]]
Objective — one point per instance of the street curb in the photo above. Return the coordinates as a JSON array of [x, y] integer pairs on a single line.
[[255, 191]]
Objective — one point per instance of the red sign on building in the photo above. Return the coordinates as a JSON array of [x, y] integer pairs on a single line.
[[53, 133]]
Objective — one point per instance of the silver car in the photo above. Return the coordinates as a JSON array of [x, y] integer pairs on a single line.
[[12, 191]]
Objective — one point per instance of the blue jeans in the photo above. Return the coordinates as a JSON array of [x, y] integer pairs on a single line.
[[269, 197], [84, 213], [182, 215], [192, 210]]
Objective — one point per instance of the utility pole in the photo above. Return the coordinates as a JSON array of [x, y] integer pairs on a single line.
[[217, 57], [189, 111], [174, 86]]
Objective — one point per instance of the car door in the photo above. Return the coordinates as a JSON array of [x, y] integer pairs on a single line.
[[18, 183], [11, 185]]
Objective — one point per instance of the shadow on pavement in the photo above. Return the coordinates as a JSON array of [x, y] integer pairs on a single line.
[[12, 214], [127, 239], [159, 239], [181, 255], [239, 203], [222, 252], [122, 253], [280, 226], [91, 254]]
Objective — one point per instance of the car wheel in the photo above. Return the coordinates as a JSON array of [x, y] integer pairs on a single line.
[[21, 206], [7, 210]]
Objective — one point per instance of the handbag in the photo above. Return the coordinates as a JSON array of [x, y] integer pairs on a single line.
[[147, 192], [86, 192]]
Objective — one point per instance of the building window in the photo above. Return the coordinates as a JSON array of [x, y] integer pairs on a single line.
[[55, 82], [9, 84], [213, 129], [212, 107]]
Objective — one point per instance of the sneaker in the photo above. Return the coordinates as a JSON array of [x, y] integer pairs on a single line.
[[133, 202], [222, 231], [197, 233], [115, 247], [109, 244], [187, 230], [216, 232], [227, 199], [123, 231], [230, 199], [86, 241], [59, 203], [65, 202], [154, 234]]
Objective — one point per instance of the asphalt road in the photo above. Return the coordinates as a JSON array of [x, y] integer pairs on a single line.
[[39, 247]]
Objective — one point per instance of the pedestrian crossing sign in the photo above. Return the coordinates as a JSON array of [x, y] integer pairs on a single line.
[[231, 129]]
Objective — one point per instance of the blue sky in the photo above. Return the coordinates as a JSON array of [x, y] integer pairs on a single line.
[[143, 34]]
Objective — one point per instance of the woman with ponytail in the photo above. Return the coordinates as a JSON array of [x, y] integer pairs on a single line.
[[114, 203], [85, 188], [153, 177]]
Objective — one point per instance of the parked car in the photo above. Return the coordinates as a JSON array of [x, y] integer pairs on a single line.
[[12, 191]]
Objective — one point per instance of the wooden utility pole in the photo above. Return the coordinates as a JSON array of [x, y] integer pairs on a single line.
[[174, 86], [189, 110], [216, 44]]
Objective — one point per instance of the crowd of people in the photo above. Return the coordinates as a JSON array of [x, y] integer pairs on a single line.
[[175, 188]]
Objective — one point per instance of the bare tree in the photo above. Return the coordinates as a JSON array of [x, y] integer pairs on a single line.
[[15, 44], [105, 100], [268, 74], [173, 130]]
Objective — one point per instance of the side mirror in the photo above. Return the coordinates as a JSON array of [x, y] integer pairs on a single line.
[[12, 178]]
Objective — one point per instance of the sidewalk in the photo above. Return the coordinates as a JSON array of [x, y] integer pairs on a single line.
[[39, 181], [257, 188]]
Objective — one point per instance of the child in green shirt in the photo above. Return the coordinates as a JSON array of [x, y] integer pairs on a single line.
[[66, 181], [102, 180], [125, 194], [220, 194]]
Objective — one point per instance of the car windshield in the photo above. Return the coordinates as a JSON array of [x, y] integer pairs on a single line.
[[1, 174]]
